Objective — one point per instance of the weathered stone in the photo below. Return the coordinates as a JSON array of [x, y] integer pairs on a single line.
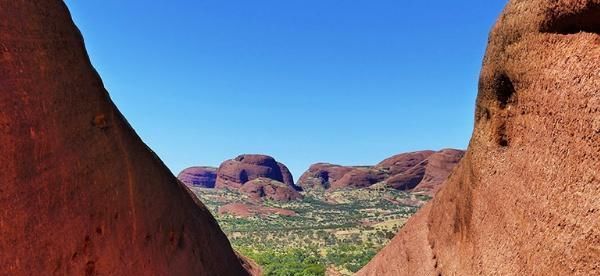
[[81, 194], [525, 198]]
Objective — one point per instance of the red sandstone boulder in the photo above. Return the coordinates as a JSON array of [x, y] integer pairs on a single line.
[[265, 188], [258, 176], [525, 198], [401, 163], [427, 175], [81, 193], [438, 168], [361, 177], [203, 177], [234, 173], [320, 176], [409, 179]]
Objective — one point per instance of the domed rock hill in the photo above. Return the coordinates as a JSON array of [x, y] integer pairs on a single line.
[[525, 198], [421, 171], [203, 177], [427, 175], [81, 193], [265, 188], [264, 176], [321, 175]]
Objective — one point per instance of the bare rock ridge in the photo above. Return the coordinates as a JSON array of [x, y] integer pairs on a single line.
[[417, 171], [525, 199], [204, 177], [81, 193]]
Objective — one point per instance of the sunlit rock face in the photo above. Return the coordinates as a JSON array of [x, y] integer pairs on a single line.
[[81, 194], [525, 198]]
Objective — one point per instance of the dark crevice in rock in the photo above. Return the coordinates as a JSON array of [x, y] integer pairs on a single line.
[[502, 138], [586, 20], [504, 89]]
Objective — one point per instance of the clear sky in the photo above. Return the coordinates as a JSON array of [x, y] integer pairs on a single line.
[[341, 81]]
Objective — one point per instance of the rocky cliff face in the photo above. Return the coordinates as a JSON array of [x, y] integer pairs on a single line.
[[418, 171], [81, 193], [525, 199], [203, 177]]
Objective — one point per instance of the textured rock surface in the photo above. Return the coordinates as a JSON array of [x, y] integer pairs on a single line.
[[80, 192], [264, 188], [525, 199], [421, 171], [203, 177]]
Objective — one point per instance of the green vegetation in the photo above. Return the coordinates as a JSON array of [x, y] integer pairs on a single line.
[[339, 230]]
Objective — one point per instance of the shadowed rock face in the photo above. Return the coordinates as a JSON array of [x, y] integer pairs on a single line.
[[81, 193], [418, 171], [525, 199], [204, 177], [234, 173]]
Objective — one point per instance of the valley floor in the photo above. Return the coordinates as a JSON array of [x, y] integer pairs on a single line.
[[336, 232]]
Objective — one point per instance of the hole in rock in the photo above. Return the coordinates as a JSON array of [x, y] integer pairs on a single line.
[[243, 176], [502, 137], [90, 268], [504, 89], [586, 20]]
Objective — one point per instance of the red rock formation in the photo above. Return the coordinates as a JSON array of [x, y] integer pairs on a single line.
[[438, 168], [419, 171], [258, 176], [81, 194], [203, 177], [234, 173], [401, 163], [525, 198], [428, 174], [321, 175], [360, 178], [264, 188]]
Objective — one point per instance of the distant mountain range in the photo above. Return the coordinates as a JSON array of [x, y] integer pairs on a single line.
[[261, 176]]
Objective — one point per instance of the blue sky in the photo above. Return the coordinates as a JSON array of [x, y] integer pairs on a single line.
[[347, 82]]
